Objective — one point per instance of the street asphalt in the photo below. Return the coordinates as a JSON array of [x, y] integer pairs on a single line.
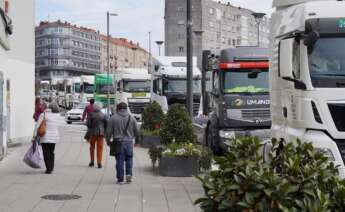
[[21, 187]]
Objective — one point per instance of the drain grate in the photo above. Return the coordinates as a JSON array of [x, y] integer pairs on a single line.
[[61, 197]]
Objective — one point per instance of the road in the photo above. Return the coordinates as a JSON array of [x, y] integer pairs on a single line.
[[21, 187]]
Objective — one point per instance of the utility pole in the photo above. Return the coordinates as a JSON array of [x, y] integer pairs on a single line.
[[149, 64], [190, 95], [108, 63], [159, 43], [258, 18]]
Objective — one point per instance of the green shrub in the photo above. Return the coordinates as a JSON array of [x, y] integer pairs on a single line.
[[177, 126], [294, 177], [152, 117], [146, 132]]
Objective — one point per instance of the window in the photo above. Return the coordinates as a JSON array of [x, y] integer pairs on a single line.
[[179, 9], [180, 36], [181, 49], [180, 22], [211, 10], [211, 24]]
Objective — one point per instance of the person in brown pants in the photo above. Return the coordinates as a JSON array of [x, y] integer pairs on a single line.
[[97, 124]]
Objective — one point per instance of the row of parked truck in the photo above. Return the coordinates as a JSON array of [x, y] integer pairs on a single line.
[[302, 96], [294, 89]]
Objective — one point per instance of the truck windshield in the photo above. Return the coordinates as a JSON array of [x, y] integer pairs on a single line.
[[103, 89], [327, 63], [137, 86], [180, 86], [88, 88], [246, 81], [77, 88]]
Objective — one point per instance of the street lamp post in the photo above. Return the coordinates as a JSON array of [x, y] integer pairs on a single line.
[[258, 18], [108, 61], [159, 43], [189, 59]]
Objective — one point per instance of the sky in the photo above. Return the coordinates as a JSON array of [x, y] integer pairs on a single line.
[[136, 18]]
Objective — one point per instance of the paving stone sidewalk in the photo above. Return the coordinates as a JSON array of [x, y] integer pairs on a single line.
[[21, 187]]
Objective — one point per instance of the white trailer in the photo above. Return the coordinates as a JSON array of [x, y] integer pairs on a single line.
[[169, 82], [133, 88], [307, 74]]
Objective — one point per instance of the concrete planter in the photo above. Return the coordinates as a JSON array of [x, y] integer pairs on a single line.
[[178, 166], [147, 141]]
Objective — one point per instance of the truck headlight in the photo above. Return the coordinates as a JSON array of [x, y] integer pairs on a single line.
[[327, 152], [227, 134]]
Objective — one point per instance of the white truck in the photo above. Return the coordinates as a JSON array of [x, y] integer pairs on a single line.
[[133, 88], [87, 91], [169, 82], [307, 74]]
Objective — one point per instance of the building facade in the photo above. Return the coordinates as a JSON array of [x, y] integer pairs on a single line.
[[216, 25], [17, 71], [123, 54], [64, 50]]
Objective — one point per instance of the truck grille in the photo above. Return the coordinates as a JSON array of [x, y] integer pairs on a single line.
[[137, 107], [338, 114], [262, 114]]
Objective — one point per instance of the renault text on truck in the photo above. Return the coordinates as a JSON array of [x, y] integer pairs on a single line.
[[133, 88], [169, 82], [307, 74], [238, 103]]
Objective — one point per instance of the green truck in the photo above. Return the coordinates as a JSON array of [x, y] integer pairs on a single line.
[[103, 82]]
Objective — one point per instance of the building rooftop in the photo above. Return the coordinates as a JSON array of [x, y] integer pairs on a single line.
[[123, 42], [57, 23]]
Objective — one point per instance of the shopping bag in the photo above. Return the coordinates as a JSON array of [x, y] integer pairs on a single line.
[[33, 156]]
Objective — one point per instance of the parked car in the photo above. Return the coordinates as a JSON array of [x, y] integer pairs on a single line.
[[75, 115]]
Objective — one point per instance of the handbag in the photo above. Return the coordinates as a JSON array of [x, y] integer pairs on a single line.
[[41, 131], [33, 156], [116, 145], [87, 135]]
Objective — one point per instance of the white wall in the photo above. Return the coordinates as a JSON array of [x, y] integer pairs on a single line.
[[20, 68]]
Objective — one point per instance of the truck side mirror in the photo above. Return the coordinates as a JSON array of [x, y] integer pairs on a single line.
[[286, 58], [156, 68], [311, 39]]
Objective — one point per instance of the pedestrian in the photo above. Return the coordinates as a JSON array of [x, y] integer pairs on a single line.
[[39, 108], [88, 109], [121, 131], [97, 125], [51, 118]]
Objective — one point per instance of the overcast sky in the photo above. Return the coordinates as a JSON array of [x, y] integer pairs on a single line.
[[136, 17]]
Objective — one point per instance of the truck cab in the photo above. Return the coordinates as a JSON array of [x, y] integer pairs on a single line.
[[133, 88], [169, 82], [87, 87], [237, 103], [307, 77]]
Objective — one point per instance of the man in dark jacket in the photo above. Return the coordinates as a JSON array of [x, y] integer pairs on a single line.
[[97, 124], [122, 129]]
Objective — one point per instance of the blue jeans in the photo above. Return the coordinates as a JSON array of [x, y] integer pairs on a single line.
[[125, 157]]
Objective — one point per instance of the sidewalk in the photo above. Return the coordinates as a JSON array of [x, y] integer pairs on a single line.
[[21, 187]]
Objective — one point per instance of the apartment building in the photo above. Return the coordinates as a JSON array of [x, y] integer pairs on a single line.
[[64, 50], [217, 25], [123, 54]]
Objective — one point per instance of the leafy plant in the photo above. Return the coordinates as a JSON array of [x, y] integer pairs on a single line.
[[152, 117], [177, 126], [150, 132], [293, 177], [203, 155]]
